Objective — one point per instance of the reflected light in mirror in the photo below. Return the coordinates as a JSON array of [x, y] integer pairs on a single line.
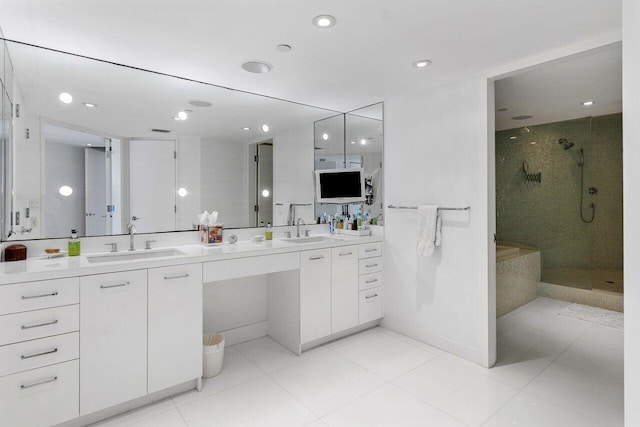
[[182, 115], [65, 190], [325, 136], [182, 192], [363, 141], [65, 98], [265, 128], [265, 193], [89, 104]]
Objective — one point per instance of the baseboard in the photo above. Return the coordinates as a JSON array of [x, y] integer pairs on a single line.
[[245, 333]]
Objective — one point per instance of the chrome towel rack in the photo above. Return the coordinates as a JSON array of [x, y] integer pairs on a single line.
[[466, 208]]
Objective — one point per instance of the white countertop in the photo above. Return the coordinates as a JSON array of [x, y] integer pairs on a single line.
[[42, 267]]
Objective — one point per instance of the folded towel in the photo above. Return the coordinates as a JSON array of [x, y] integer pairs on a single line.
[[429, 224]]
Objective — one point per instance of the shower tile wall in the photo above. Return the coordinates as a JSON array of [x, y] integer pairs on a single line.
[[546, 215], [606, 234]]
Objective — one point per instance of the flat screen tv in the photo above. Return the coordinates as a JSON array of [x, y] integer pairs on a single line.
[[340, 186]]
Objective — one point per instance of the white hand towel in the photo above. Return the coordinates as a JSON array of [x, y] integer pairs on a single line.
[[429, 225]]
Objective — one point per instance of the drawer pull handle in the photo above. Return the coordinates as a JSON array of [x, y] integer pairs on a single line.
[[371, 250], [371, 281], [346, 253], [371, 265], [53, 322], [40, 296], [181, 276], [314, 258], [29, 356], [371, 296], [50, 380], [118, 285]]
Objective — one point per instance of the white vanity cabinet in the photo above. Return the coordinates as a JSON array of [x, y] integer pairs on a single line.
[[344, 288], [39, 352], [113, 339], [175, 325], [370, 282], [315, 294]]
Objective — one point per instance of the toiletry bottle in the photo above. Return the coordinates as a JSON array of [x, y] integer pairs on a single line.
[[268, 234], [74, 243], [332, 226]]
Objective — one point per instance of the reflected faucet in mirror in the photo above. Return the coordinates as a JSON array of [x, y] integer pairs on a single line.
[[132, 231], [300, 221]]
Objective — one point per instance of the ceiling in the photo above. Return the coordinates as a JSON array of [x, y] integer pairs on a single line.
[[364, 59], [554, 92]]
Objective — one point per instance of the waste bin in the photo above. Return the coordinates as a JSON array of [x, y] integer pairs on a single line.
[[212, 354]]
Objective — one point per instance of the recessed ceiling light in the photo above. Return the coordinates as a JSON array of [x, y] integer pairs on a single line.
[[89, 104], [182, 115], [257, 67], [65, 98], [513, 137], [284, 47], [587, 103], [65, 190], [324, 21], [363, 141], [89, 145], [199, 103], [264, 128], [246, 128], [422, 63], [523, 117], [265, 193], [182, 192], [325, 136], [353, 142]]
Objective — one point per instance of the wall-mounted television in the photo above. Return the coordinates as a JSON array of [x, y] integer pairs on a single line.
[[340, 186]]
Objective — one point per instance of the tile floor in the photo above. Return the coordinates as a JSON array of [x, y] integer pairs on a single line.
[[551, 371]]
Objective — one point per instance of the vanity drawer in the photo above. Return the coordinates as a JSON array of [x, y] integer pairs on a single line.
[[37, 353], [41, 397], [37, 324], [370, 280], [370, 305], [370, 250], [28, 296], [370, 265]]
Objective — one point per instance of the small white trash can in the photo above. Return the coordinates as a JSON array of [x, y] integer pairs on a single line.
[[212, 354]]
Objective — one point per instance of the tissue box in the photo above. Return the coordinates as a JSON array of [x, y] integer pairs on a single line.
[[211, 235]]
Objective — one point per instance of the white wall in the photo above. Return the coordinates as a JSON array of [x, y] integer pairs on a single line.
[[435, 153], [224, 181], [65, 166], [293, 173], [631, 156]]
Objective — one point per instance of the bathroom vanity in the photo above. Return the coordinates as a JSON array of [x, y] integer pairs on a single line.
[[82, 334]]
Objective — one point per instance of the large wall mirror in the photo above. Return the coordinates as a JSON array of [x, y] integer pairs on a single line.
[[158, 149], [353, 140]]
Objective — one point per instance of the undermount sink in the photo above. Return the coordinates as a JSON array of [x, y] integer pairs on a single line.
[[310, 239], [133, 255]]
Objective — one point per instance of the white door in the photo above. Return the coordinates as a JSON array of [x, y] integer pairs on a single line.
[[95, 184], [152, 175]]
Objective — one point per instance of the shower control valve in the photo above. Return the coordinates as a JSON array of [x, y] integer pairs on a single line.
[[593, 191]]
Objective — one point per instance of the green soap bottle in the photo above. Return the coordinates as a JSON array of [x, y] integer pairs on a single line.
[[268, 234], [74, 243]]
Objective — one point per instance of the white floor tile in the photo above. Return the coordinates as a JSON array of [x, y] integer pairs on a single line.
[[168, 419], [597, 397], [384, 355], [389, 406], [526, 410], [270, 356], [317, 423], [260, 402], [595, 359], [138, 415], [464, 393], [326, 382], [607, 337], [517, 368], [236, 370]]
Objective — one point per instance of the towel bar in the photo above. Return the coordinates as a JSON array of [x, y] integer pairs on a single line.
[[439, 208]]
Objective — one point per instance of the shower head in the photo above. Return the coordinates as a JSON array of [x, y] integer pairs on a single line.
[[565, 143]]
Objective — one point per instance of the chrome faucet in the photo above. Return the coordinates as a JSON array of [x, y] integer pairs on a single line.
[[300, 220], [132, 232]]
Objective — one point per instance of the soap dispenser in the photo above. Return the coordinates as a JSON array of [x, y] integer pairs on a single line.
[[74, 243], [268, 234]]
